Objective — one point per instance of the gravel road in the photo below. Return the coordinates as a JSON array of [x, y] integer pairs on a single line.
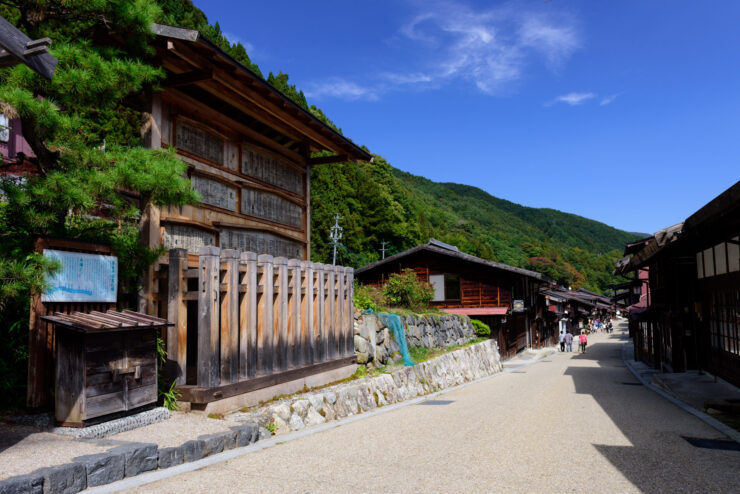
[[569, 423]]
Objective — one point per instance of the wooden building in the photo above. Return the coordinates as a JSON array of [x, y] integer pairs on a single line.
[[249, 149], [502, 296], [692, 314]]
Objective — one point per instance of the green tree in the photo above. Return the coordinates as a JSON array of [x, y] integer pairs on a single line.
[[92, 177]]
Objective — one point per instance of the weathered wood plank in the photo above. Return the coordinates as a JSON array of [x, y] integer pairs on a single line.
[[208, 324], [320, 328], [230, 317], [177, 335], [307, 313], [294, 318], [330, 314], [339, 309], [280, 357], [70, 379], [349, 339], [248, 317], [195, 394], [265, 321]]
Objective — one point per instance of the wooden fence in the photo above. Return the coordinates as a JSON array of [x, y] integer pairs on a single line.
[[255, 320]]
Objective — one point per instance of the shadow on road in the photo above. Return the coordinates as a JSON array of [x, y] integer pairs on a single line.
[[658, 456]]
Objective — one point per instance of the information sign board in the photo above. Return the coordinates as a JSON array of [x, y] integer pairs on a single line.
[[82, 278]]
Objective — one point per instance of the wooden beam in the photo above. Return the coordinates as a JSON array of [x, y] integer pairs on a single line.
[[214, 117], [197, 394], [187, 78], [325, 160]]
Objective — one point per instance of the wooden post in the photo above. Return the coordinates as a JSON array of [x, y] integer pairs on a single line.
[[294, 318], [208, 327], [320, 325], [339, 310], [39, 357], [307, 311], [264, 314], [177, 312], [248, 318], [330, 314], [230, 317], [349, 339], [280, 357]]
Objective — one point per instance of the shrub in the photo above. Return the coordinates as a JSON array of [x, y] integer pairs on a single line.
[[407, 290], [481, 328], [369, 297]]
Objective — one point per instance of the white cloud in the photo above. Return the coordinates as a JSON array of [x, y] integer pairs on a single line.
[[608, 99], [234, 39], [340, 88], [574, 99], [489, 47]]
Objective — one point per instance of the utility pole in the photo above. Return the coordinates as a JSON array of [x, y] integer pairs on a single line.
[[335, 234], [382, 247]]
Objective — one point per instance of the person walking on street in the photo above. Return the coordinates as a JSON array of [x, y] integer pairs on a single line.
[[562, 341], [568, 341], [584, 341]]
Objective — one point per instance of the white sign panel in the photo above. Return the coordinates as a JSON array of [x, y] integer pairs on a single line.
[[82, 278]]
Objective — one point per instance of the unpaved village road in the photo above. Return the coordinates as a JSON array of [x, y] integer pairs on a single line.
[[571, 423]]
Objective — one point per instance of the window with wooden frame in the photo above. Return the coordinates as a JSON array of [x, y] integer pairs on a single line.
[[724, 320], [446, 287]]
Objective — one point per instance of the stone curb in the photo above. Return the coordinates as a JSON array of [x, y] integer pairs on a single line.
[[707, 419], [128, 460]]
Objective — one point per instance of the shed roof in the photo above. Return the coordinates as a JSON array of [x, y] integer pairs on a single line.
[[196, 61], [453, 252]]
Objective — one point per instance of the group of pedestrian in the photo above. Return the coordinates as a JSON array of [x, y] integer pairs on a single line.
[[566, 341]]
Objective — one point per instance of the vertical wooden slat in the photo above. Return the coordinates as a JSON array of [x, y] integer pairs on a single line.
[[265, 314], [307, 311], [230, 317], [248, 318], [39, 358], [208, 327], [177, 312], [349, 323], [294, 314], [330, 314], [322, 343], [339, 310], [280, 357]]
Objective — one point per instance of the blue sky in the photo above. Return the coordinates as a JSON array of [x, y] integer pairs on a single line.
[[625, 112]]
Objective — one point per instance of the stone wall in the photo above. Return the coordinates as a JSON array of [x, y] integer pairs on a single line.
[[343, 400], [375, 343]]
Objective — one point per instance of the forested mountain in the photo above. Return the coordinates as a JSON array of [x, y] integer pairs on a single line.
[[379, 202]]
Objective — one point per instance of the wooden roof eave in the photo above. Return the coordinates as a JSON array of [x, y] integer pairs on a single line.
[[270, 99], [457, 255]]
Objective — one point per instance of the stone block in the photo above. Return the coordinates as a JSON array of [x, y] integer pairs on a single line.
[[361, 345], [193, 450], [170, 457], [214, 443], [63, 479], [245, 434], [102, 468], [139, 457], [23, 484]]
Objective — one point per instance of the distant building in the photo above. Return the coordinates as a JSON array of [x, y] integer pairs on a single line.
[[504, 297]]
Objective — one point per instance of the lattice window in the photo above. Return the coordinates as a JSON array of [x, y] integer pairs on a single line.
[[724, 320]]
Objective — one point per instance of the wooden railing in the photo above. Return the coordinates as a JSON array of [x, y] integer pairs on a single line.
[[257, 317]]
